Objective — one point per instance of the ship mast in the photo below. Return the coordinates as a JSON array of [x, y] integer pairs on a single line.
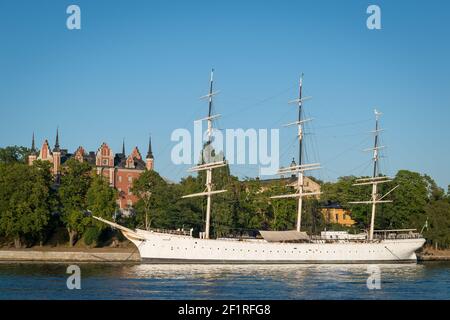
[[375, 179], [301, 167], [208, 166]]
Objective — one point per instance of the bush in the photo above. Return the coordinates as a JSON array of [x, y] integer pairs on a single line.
[[91, 236]]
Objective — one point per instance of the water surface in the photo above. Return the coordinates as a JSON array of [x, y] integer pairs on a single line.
[[143, 281]]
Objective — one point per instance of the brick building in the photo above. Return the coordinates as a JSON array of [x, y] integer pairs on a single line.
[[119, 169]]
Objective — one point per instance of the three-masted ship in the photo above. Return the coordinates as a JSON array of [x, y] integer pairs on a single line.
[[277, 247]]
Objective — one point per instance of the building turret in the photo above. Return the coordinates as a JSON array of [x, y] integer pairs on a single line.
[[293, 164], [33, 155], [57, 157], [149, 160]]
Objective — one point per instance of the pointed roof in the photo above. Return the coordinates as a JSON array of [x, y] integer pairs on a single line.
[[293, 164], [56, 148], [150, 153], [33, 146]]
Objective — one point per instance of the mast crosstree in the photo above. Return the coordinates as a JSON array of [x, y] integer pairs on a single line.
[[208, 166], [301, 167]]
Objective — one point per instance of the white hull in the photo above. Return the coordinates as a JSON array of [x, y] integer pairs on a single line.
[[168, 248]]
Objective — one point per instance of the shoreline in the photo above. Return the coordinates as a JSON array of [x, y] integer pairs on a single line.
[[122, 255], [109, 255]]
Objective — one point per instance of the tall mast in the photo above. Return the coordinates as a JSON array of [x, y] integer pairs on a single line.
[[300, 132], [375, 180], [374, 175], [300, 168], [208, 165]]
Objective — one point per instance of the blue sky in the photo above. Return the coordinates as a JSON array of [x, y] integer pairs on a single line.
[[139, 67]]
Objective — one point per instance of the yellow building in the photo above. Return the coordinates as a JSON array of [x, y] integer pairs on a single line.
[[335, 213]]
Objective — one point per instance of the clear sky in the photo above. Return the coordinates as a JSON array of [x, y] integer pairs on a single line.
[[139, 67]]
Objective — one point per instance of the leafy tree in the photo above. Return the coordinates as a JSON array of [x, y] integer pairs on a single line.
[[256, 210], [438, 215], [190, 210], [25, 199], [101, 200], [12, 154], [75, 182], [409, 200], [153, 193], [343, 192]]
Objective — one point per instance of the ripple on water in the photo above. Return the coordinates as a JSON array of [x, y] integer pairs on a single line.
[[144, 281]]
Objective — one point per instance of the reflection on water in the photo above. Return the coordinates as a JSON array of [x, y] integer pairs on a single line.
[[146, 281]]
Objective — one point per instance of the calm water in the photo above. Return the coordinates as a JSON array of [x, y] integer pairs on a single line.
[[116, 281]]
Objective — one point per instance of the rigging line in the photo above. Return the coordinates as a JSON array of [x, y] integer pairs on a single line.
[[164, 149], [392, 253], [344, 124], [360, 173], [313, 138], [248, 107], [288, 147], [346, 150]]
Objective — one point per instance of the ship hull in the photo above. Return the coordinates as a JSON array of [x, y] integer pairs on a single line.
[[167, 248]]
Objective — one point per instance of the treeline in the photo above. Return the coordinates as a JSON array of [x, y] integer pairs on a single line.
[[32, 207]]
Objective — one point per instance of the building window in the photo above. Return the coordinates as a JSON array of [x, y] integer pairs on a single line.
[[120, 178], [130, 179], [105, 162], [129, 191]]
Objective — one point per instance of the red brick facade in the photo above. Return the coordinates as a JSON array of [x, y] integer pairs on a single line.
[[118, 169]]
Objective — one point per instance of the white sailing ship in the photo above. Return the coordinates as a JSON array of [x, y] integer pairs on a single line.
[[276, 247]]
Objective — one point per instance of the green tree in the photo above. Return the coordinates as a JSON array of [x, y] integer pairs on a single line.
[[409, 200], [438, 215], [101, 200], [75, 182], [153, 194], [25, 200], [14, 154], [343, 192]]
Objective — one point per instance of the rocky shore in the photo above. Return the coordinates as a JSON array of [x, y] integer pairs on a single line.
[[430, 254]]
